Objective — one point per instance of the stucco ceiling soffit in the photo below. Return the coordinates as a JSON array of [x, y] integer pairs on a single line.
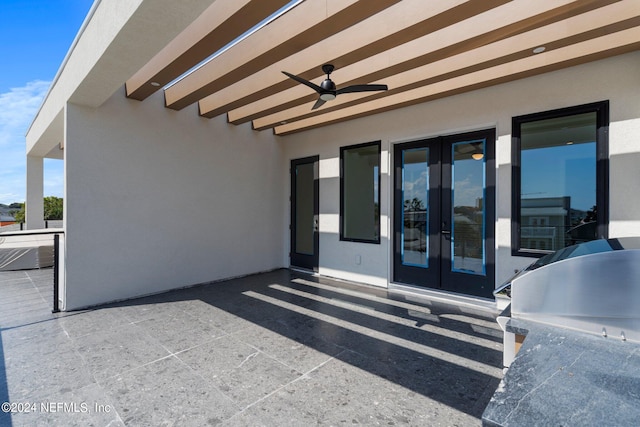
[[560, 34], [500, 23], [219, 24], [51, 138], [301, 27], [575, 54], [397, 25]]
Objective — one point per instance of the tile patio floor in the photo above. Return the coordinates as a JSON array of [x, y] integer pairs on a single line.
[[274, 349]]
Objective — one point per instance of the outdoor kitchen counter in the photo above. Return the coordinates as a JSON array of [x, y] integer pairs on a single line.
[[568, 378]]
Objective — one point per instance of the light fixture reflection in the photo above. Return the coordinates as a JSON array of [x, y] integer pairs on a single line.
[[477, 156]]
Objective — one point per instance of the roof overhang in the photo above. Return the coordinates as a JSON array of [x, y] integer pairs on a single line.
[[421, 50], [117, 38]]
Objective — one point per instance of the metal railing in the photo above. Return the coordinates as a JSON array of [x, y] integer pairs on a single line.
[[19, 226], [24, 240]]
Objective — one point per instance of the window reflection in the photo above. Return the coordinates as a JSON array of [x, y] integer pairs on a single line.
[[304, 219], [360, 192], [415, 191], [558, 182], [468, 171]]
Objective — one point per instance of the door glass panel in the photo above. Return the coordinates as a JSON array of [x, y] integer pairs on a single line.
[[304, 209], [468, 216], [415, 214]]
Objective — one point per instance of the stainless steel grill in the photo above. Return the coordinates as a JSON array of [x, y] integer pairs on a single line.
[[592, 287]]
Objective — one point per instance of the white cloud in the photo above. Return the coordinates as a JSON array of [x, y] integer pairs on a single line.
[[18, 107], [467, 191]]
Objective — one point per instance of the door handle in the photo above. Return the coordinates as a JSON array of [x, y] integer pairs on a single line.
[[445, 233]]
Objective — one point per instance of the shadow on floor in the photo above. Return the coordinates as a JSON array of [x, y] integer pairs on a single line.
[[447, 353], [278, 348], [5, 417]]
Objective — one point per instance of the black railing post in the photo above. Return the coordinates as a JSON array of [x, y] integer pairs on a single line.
[[56, 261]]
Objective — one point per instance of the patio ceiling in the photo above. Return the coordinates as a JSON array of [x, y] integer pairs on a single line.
[[421, 50]]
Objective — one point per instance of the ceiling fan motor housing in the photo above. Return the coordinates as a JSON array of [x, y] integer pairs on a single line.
[[328, 85]]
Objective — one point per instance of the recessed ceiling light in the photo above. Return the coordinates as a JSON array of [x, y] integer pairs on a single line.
[[539, 49], [155, 84], [569, 142]]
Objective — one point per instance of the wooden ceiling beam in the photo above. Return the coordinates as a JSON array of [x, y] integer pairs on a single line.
[[496, 24], [574, 30], [399, 24], [219, 24], [575, 54], [301, 27]]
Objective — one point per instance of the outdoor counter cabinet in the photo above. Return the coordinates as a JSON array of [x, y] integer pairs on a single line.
[[572, 339]]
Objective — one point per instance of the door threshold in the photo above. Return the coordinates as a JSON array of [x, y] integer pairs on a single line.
[[416, 294], [304, 270]]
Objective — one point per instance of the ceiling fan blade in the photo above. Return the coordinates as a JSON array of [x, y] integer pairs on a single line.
[[361, 88], [304, 82], [318, 103]]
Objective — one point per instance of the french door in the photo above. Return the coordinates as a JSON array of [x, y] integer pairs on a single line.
[[444, 213], [304, 213]]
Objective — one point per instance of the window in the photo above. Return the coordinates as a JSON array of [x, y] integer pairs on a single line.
[[360, 193], [560, 178]]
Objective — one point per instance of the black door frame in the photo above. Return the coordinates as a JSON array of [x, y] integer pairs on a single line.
[[404, 273], [302, 260], [442, 277]]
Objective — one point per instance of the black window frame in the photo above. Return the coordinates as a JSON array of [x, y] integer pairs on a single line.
[[601, 109], [378, 144]]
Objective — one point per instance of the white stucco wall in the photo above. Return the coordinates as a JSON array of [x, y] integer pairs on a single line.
[[615, 79], [158, 199]]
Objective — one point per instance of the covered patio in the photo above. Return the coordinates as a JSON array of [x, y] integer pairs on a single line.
[[277, 348]]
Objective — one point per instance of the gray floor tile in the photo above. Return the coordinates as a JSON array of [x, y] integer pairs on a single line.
[[143, 309], [340, 393], [34, 375], [220, 318], [79, 324], [273, 349], [256, 378], [39, 338], [179, 331], [294, 344], [114, 351], [239, 370], [28, 317], [71, 407], [29, 295], [218, 357], [167, 393]]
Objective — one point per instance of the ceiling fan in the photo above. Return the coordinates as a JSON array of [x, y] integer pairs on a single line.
[[327, 89]]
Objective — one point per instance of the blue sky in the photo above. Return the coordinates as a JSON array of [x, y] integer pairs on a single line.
[[35, 36]]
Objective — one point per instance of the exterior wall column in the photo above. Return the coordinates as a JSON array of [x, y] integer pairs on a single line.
[[34, 214]]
